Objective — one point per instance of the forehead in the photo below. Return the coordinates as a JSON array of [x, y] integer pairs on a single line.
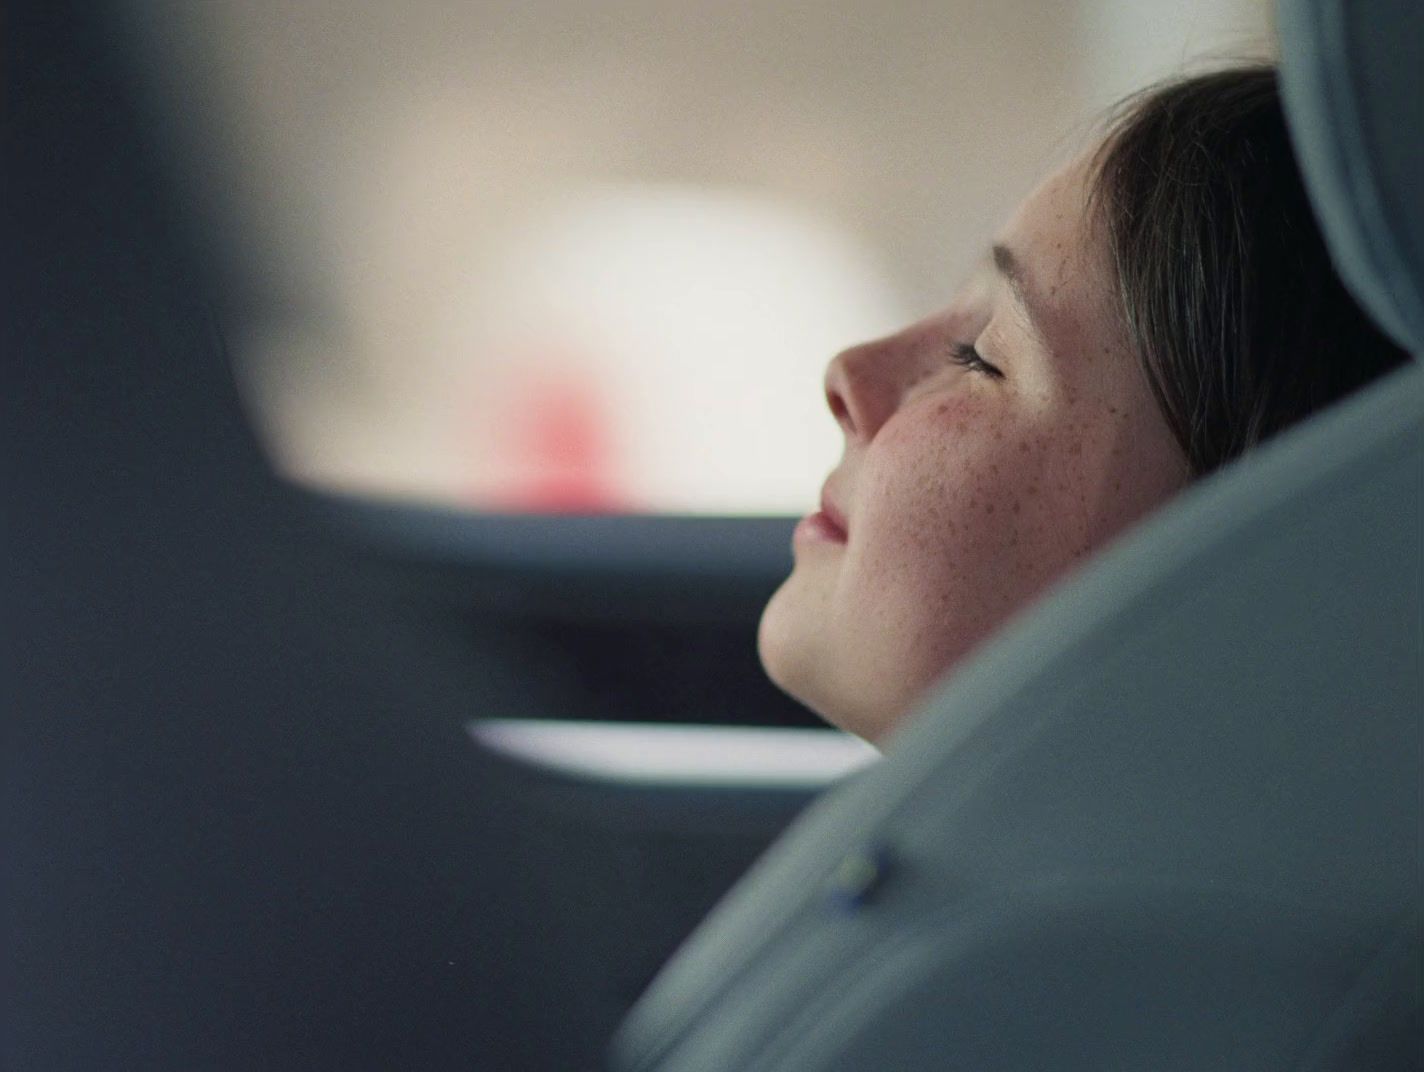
[[1054, 215], [1064, 257]]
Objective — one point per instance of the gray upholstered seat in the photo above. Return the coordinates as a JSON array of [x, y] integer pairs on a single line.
[[1170, 820]]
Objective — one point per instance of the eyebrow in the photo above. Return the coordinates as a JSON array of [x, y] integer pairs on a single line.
[[1007, 265]]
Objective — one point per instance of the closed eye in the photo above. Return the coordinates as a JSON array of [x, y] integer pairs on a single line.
[[964, 353]]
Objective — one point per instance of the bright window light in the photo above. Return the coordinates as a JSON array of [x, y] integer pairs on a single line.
[[660, 348]]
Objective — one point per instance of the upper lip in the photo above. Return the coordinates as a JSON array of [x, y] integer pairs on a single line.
[[831, 510]]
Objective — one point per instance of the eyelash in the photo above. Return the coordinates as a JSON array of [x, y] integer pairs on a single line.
[[964, 353]]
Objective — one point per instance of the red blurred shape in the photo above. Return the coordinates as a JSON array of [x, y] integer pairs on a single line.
[[560, 453]]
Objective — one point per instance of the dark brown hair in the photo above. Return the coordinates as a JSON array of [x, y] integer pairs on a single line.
[[1227, 289]]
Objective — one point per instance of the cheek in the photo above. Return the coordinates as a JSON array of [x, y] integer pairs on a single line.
[[1127, 464], [969, 475], [960, 522]]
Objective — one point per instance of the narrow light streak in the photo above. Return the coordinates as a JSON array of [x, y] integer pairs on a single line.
[[658, 754]]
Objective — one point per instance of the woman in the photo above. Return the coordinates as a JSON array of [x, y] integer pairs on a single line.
[[1155, 308]]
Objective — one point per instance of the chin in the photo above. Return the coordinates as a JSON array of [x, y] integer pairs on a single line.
[[801, 662], [784, 650], [775, 647], [794, 673]]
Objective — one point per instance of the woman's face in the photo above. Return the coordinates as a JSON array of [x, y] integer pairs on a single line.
[[988, 449]]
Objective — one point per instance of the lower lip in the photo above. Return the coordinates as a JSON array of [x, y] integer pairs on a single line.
[[818, 528]]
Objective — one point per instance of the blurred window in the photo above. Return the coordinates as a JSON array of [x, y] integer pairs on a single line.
[[560, 256]]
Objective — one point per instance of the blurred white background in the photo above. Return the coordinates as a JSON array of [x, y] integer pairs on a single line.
[[568, 255]]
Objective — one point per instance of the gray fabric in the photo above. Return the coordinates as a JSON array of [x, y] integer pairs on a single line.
[[1189, 783], [1354, 92]]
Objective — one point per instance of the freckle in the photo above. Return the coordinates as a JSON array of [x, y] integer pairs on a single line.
[[988, 508], [1017, 506], [1023, 446], [943, 408], [1117, 485]]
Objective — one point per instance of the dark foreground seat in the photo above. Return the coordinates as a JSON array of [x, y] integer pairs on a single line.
[[1172, 819], [244, 824]]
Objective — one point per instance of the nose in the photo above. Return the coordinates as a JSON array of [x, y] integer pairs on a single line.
[[866, 384]]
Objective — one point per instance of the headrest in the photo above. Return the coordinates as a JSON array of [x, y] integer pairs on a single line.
[[1352, 79]]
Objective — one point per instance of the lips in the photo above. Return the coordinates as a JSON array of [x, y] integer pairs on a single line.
[[832, 514], [824, 526]]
